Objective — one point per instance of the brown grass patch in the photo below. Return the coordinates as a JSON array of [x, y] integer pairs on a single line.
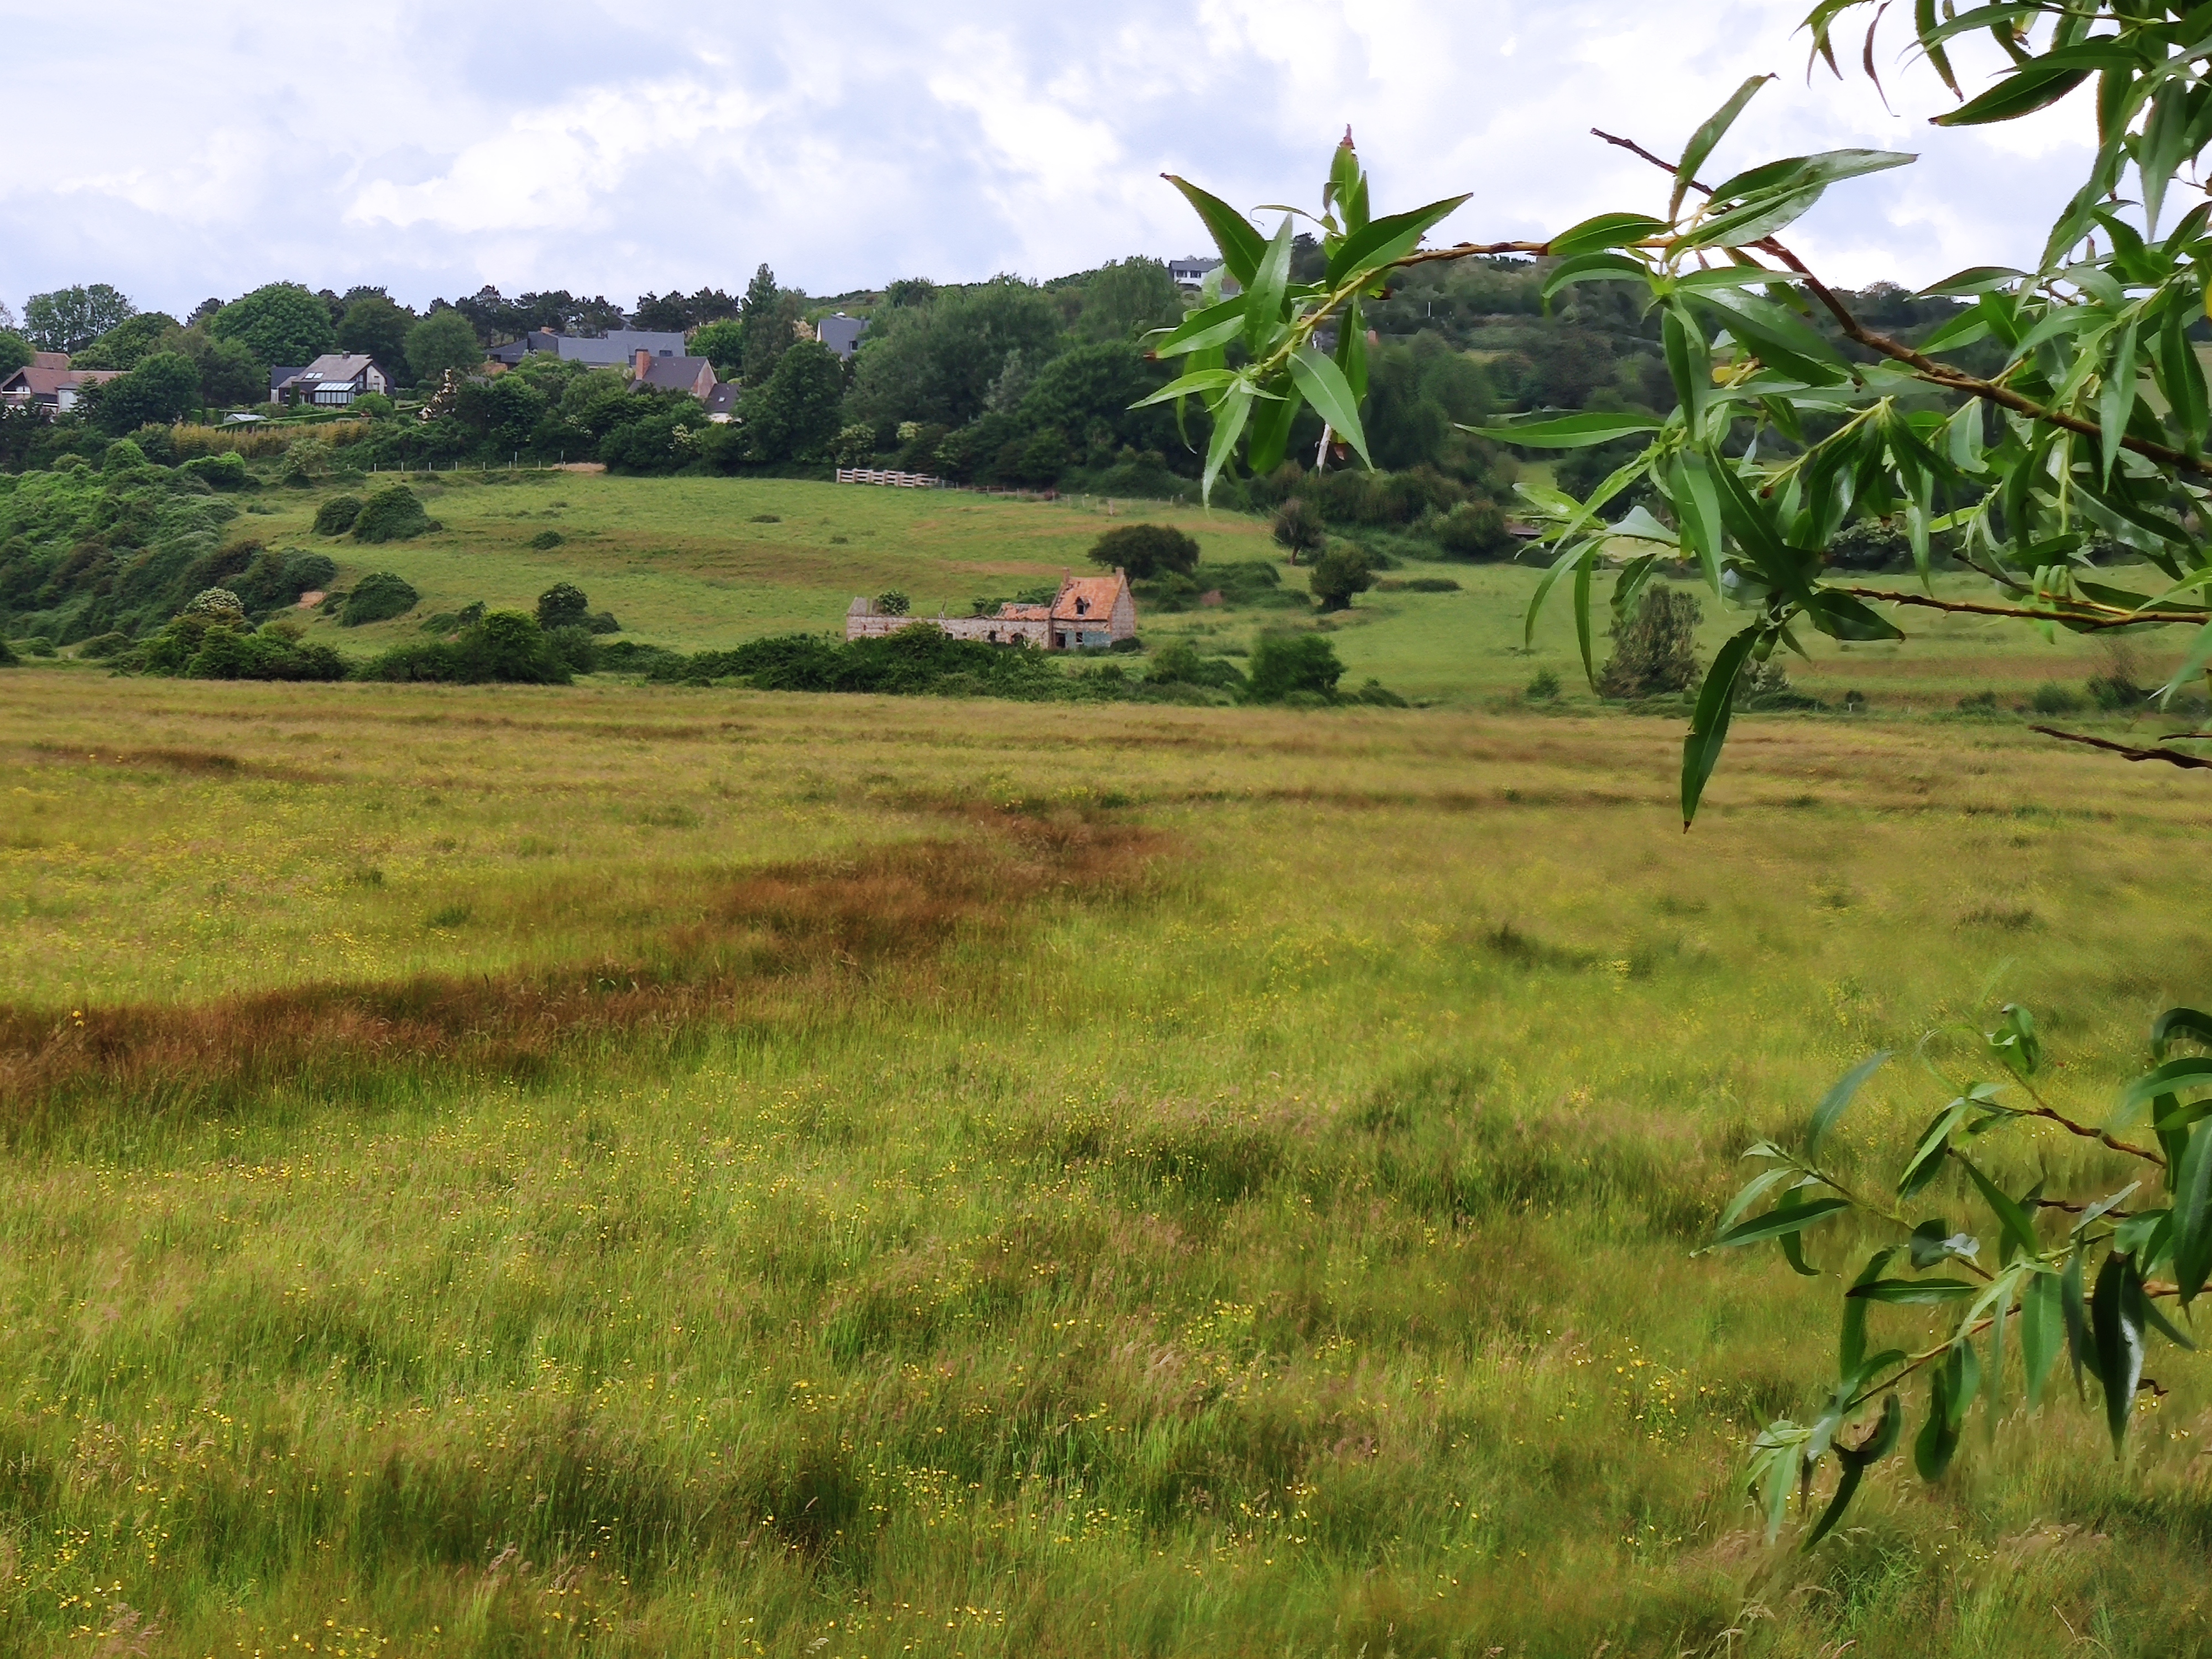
[[790, 941]]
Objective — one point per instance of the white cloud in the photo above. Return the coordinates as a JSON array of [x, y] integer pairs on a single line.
[[178, 152]]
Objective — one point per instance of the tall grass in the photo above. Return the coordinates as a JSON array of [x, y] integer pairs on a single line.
[[255, 439], [1254, 1217]]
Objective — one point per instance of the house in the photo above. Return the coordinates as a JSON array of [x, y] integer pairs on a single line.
[[332, 380], [722, 403], [841, 333], [693, 375], [49, 384], [1087, 612], [610, 350], [1191, 272]]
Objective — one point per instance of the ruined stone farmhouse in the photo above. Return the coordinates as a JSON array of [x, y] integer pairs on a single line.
[[1088, 610]]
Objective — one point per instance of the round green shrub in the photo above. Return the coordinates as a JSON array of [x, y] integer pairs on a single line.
[[545, 539], [224, 472], [377, 598], [337, 515], [562, 605], [1146, 551], [123, 456], [390, 515]]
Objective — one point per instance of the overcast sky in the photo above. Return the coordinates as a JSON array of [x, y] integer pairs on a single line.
[[181, 151]]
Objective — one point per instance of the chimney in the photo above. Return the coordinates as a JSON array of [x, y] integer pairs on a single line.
[[643, 361]]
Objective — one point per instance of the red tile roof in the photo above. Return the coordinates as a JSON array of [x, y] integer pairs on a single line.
[[1094, 594]]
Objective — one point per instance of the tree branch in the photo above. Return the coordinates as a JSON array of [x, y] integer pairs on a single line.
[[2170, 756], [2094, 618]]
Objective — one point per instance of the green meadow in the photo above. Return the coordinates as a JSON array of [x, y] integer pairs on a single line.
[[642, 1171], [689, 563]]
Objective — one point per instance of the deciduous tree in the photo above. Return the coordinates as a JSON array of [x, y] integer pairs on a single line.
[[282, 323], [71, 319]]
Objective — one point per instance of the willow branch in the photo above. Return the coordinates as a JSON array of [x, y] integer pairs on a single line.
[[2093, 616], [2187, 762]]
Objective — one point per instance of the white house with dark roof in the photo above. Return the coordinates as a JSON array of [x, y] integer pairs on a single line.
[[49, 384], [333, 380]]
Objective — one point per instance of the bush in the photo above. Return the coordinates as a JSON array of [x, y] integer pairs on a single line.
[[1476, 530], [1655, 653], [2053, 698], [603, 621], [100, 647], [1543, 687], [562, 605], [224, 472], [1284, 664], [8, 658], [1298, 529], [124, 455], [390, 515], [505, 646], [1179, 663], [36, 646], [574, 645], [372, 405], [545, 540], [230, 654], [1146, 551], [378, 598], [337, 515], [893, 604], [1341, 572]]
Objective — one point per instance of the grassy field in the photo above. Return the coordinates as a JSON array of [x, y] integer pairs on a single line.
[[682, 563], [639, 1171]]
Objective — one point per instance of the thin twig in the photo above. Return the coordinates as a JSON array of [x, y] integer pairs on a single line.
[[2097, 616], [2171, 756]]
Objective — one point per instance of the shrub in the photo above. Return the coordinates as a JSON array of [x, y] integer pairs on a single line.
[[1655, 653], [1765, 686], [36, 646], [101, 646], [390, 514], [765, 517], [2053, 698], [562, 605], [893, 604], [1476, 530], [1870, 545], [337, 515], [372, 405], [224, 472], [1299, 528], [1341, 572], [230, 654], [123, 456], [2119, 687], [545, 540], [1543, 687], [377, 598], [1178, 663], [603, 621], [1146, 551], [8, 658], [504, 644], [1377, 695], [574, 645], [1284, 665]]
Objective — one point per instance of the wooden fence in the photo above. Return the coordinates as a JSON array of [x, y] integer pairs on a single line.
[[895, 480]]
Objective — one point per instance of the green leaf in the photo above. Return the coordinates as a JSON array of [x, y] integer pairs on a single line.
[[1690, 362], [2192, 1216], [1698, 505], [2037, 87], [2019, 1230], [2116, 1323], [1938, 1441], [2193, 1072], [2179, 1021], [2116, 397], [1594, 268], [1799, 172], [1214, 325], [1839, 1096], [1842, 616], [1963, 329], [1851, 1348], [1241, 246], [1352, 349], [1378, 244], [1202, 379], [2182, 377], [1571, 431], [1753, 1190], [1582, 620], [1271, 432], [1607, 230], [1703, 140], [1933, 1241], [1228, 418], [1263, 301], [1856, 1461], [1776, 337], [1751, 520], [1701, 749], [1783, 1219], [1916, 1293], [2074, 1307], [1326, 389], [1574, 553], [2042, 1332], [1978, 279]]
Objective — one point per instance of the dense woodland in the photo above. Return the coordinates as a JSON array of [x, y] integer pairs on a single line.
[[1005, 383]]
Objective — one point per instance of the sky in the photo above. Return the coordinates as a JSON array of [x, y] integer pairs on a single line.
[[183, 152]]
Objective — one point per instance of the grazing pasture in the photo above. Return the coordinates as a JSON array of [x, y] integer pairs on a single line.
[[656, 1171], [687, 563]]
